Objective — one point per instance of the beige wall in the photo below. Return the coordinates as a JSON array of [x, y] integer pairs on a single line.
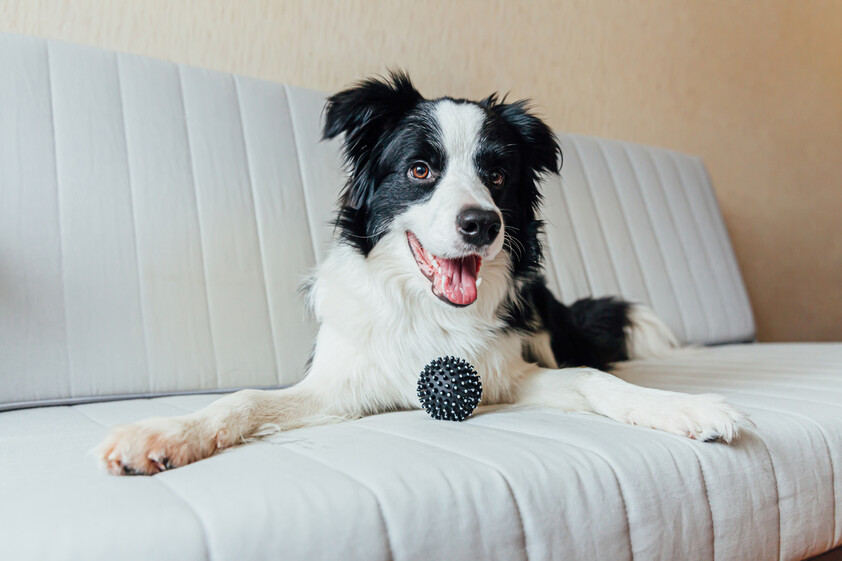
[[753, 87]]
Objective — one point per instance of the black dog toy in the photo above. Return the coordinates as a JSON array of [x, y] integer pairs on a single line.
[[449, 389]]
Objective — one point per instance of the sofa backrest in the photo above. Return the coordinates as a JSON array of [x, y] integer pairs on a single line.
[[644, 223], [156, 221]]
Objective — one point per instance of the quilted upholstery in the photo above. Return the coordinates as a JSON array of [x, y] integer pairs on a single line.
[[507, 484], [156, 219]]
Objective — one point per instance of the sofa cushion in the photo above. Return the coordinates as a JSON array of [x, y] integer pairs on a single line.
[[506, 484], [156, 221]]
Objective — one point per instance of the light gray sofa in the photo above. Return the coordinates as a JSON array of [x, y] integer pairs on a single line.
[[155, 221]]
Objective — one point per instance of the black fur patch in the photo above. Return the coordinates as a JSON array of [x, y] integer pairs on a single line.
[[387, 125], [591, 332]]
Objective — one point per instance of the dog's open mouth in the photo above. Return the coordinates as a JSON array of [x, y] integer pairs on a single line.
[[453, 280]]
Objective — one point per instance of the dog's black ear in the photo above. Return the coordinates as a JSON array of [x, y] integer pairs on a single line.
[[538, 144], [365, 113]]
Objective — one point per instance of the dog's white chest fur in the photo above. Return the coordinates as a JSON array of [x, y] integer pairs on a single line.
[[380, 325]]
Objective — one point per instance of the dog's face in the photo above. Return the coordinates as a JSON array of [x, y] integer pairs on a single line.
[[456, 178]]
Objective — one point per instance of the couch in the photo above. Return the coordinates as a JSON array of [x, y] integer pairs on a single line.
[[155, 222]]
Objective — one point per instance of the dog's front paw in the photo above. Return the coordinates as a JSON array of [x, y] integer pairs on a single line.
[[705, 417], [153, 445]]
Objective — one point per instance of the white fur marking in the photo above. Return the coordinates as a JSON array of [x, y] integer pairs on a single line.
[[460, 187], [648, 336]]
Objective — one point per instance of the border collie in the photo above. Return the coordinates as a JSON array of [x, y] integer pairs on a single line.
[[437, 253]]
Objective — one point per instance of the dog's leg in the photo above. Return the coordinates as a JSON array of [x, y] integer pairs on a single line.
[[160, 443], [703, 417]]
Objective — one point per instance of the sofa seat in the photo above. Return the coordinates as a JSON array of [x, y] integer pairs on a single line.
[[507, 484]]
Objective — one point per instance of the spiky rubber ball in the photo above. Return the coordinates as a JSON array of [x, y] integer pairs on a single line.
[[449, 389]]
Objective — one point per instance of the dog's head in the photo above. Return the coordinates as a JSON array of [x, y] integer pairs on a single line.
[[456, 178]]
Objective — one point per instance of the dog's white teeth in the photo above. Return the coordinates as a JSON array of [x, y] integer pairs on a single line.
[[479, 281]]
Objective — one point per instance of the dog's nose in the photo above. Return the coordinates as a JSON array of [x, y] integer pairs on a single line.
[[478, 227]]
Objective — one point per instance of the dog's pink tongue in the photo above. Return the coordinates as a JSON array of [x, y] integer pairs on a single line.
[[458, 279]]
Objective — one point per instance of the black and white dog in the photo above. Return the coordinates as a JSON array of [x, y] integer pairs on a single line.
[[438, 252]]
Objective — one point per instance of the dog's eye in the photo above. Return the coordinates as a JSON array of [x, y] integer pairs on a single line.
[[497, 177], [419, 170]]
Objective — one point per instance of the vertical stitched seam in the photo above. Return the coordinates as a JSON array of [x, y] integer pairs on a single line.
[[716, 212], [621, 493], [576, 237], [199, 226], [472, 459], [698, 230], [707, 499], [59, 220], [549, 252], [144, 328], [259, 236], [632, 240], [192, 509], [823, 434], [587, 451], [684, 252], [549, 265], [361, 484], [777, 493], [599, 222], [657, 239], [305, 194], [832, 471], [721, 231]]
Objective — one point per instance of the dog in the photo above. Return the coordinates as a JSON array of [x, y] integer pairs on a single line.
[[438, 251]]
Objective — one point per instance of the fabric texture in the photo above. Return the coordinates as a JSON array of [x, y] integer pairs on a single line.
[[156, 221], [506, 484]]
